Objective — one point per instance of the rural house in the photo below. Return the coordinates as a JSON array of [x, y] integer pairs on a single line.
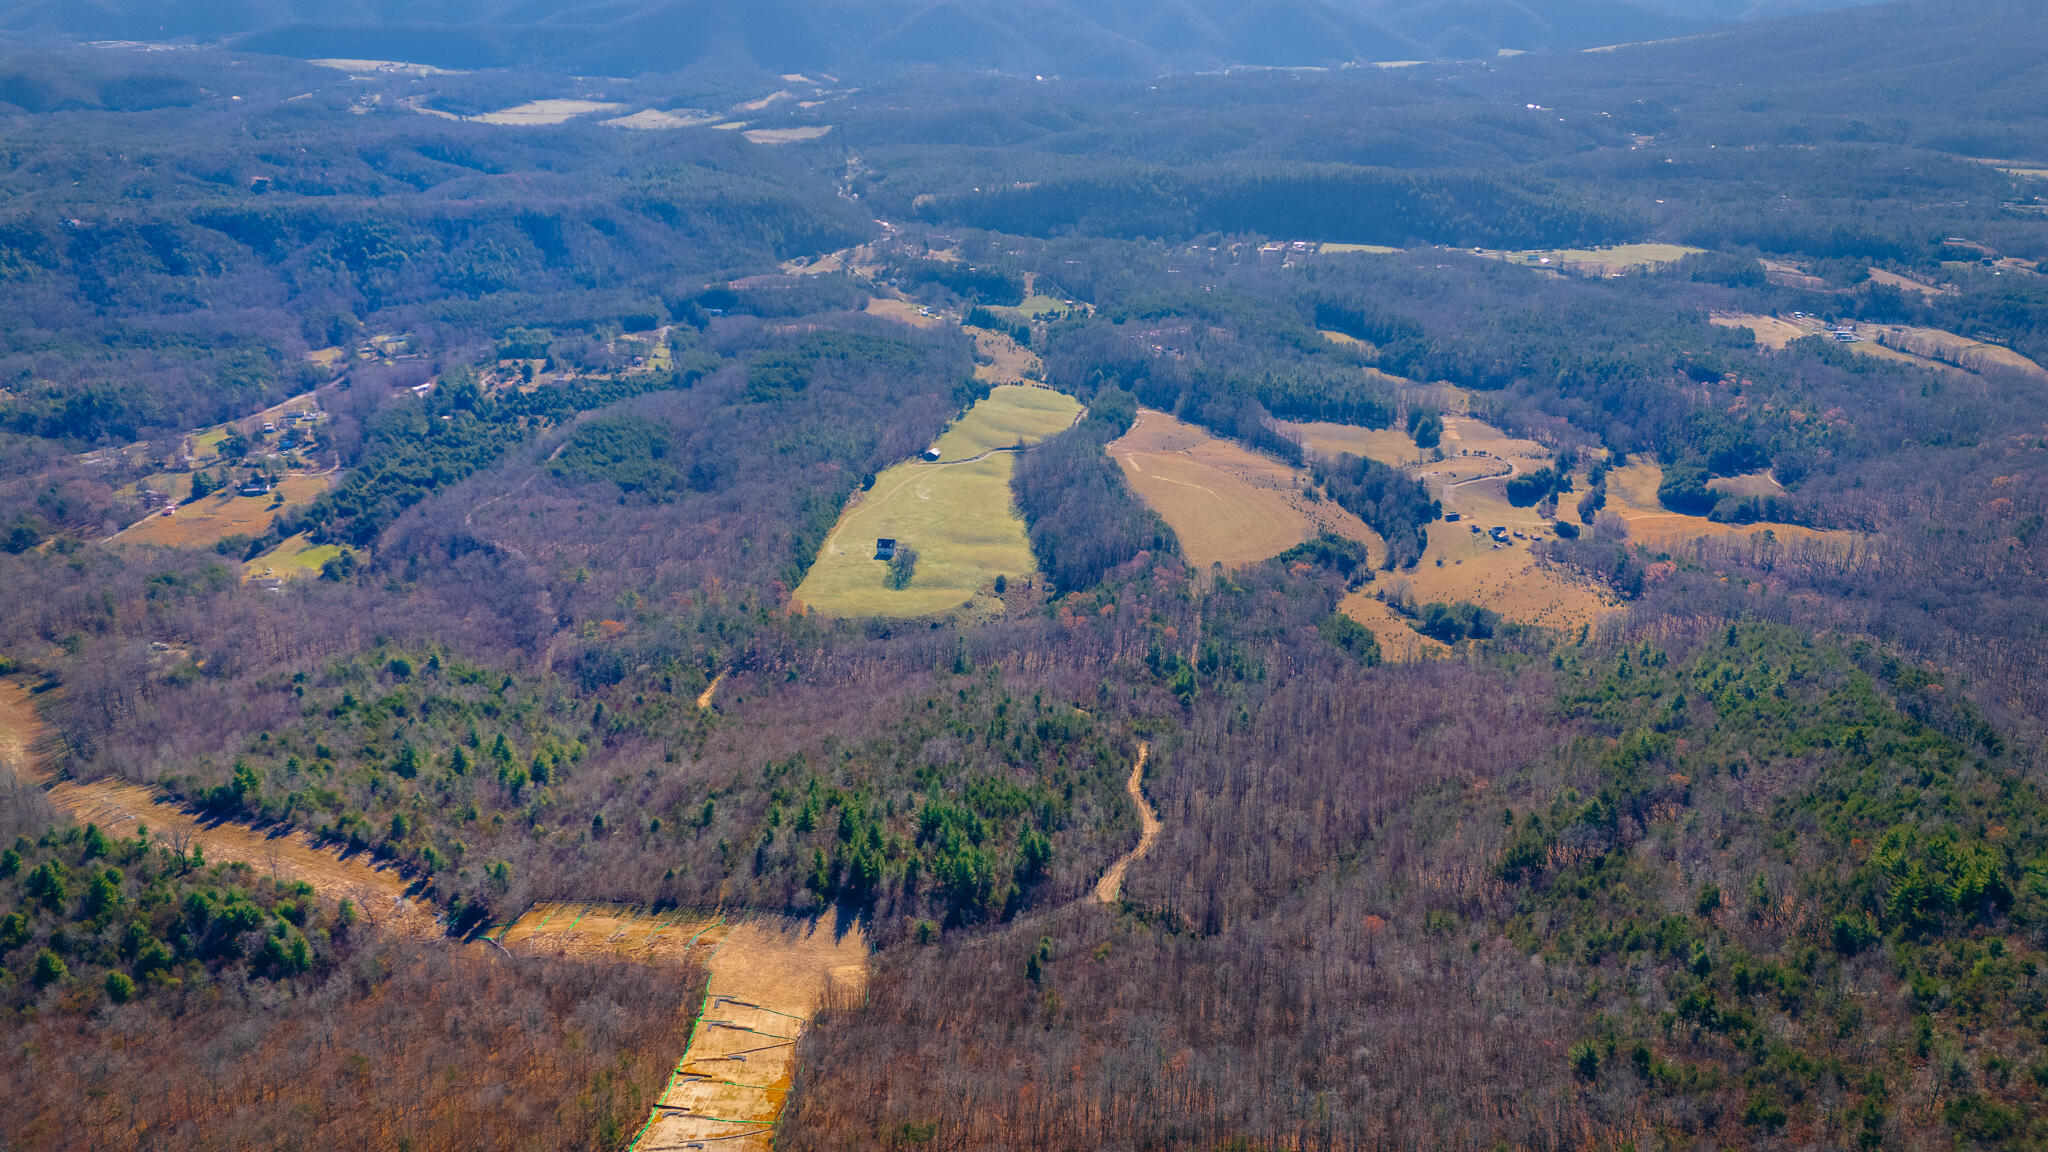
[[885, 549]]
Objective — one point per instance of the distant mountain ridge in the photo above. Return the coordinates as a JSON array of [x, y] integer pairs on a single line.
[[1084, 38]]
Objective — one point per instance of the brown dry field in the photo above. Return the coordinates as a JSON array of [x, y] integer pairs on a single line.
[[1386, 445], [863, 261], [1508, 578], [1791, 275], [1012, 364], [204, 522], [1927, 344], [1461, 564], [1399, 642], [903, 311], [1770, 331], [1905, 283], [1748, 484], [1632, 499], [1228, 504], [118, 808]]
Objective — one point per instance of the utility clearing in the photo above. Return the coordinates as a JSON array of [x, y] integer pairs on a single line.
[[26, 747], [956, 513], [1228, 504], [769, 974]]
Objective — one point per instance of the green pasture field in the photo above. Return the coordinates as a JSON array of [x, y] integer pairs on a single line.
[[960, 518], [295, 558], [1040, 306], [1012, 414]]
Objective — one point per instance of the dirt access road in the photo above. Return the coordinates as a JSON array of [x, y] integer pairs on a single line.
[[1111, 886]]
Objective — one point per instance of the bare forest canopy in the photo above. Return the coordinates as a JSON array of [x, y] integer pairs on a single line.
[[1733, 346]]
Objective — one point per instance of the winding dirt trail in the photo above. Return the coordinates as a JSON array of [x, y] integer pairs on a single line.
[[1111, 886]]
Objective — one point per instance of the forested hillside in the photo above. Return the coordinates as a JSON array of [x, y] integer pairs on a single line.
[[1472, 605]]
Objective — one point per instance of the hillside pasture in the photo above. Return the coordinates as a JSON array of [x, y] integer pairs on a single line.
[[1012, 414], [656, 120], [1632, 499], [1906, 283], [1399, 641], [1901, 343], [1038, 306], [1463, 560], [1508, 577], [1770, 331], [960, 518], [297, 558], [1228, 504], [1947, 348]]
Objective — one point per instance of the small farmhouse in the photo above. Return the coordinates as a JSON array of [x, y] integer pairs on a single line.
[[885, 549]]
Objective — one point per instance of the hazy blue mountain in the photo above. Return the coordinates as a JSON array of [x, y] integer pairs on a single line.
[[1070, 37]]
